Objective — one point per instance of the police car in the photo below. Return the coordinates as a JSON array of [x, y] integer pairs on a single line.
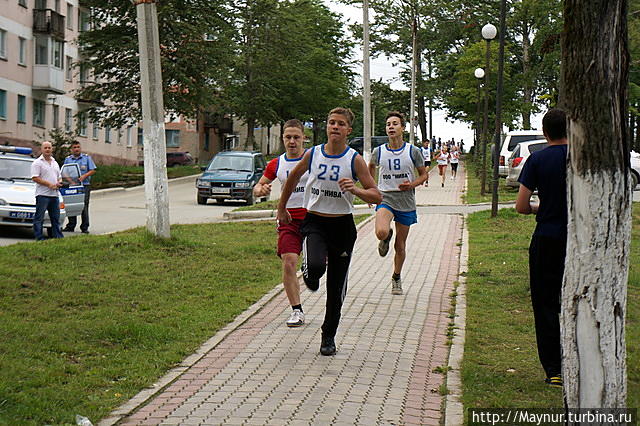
[[17, 190]]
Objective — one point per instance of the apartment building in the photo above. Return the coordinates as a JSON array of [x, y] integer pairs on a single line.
[[38, 85]]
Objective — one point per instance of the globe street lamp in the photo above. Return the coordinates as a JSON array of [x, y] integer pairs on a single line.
[[489, 32], [496, 144], [479, 74]]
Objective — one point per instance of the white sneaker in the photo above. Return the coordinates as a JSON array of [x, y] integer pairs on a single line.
[[396, 286], [296, 319]]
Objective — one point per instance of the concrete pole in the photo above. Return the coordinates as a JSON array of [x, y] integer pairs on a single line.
[[155, 157], [412, 108], [366, 84]]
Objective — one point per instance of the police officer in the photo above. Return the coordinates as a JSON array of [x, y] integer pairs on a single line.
[[87, 169]]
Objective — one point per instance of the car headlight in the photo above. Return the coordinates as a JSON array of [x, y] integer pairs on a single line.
[[201, 182], [242, 184], [3, 202]]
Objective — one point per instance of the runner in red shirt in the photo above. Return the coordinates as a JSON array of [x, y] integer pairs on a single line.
[[289, 237]]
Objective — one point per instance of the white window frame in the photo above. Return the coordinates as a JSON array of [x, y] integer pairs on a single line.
[[107, 134], [82, 124], [3, 44], [129, 140], [22, 51], [55, 119], [39, 113], [68, 120], [3, 104], [68, 70], [95, 131], [69, 16]]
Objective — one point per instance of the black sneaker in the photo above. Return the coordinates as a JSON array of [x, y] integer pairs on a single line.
[[554, 381], [383, 245], [85, 231], [328, 346], [67, 229]]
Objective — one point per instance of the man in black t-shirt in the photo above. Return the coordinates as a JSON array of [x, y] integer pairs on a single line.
[[546, 172]]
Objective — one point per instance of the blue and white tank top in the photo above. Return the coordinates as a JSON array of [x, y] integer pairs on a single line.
[[285, 165], [395, 167], [322, 193]]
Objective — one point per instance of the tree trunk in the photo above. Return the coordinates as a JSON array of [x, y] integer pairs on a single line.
[[595, 64], [527, 90], [251, 140], [422, 118]]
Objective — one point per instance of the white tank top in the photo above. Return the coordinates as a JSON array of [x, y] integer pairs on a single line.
[[396, 166], [442, 158], [426, 153], [322, 193], [285, 165], [454, 156]]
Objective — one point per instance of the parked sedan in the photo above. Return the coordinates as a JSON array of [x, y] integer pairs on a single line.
[[635, 169], [519, 156]]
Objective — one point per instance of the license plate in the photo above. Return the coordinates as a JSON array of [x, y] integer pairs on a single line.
[[219, 190], [21, 215]]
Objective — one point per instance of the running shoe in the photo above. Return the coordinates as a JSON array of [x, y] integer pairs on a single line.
[[396, 286], [555, 381], [296, 319], [383, 245], [328, 346]]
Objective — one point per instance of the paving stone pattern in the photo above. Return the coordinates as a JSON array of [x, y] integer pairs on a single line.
[[264, 373]]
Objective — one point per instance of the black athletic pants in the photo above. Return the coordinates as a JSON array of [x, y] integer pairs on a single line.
[[546, 268], [327, 245]]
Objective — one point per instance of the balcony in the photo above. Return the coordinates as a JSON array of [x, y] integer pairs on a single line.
[[48, 78], [222, 123], [47, 21]]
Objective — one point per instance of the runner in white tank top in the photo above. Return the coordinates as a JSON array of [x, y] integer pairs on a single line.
[[454, 159], [289, 236], [328, 229], [397, 162], [443, 160]]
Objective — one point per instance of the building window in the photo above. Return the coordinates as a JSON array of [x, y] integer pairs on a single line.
[[22, 3], [22, 109], [41, 4], [83, 20], [96, 129], [140, 136], [3, 44], [42, 48], [68, 70], [22, 51], [107, 134], [84, 73], [38, 113], [172, 138], [56, 116], [82, 124], [67, 120], [129, 141], [57, 6], [69, 16], [3, 104], [56, 53]]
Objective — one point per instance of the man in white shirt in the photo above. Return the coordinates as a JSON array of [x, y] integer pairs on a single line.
[[45, 172]]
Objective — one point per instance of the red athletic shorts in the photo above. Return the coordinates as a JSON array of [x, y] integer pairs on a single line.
[[289, 237]]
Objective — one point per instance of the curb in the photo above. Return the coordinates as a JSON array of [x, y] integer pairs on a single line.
[[254, 214], [148, 393], [454, 409]]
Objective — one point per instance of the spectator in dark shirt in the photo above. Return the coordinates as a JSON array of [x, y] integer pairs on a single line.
[[546, 172]]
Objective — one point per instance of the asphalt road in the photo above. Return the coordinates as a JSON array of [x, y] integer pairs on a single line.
[[117, 210]]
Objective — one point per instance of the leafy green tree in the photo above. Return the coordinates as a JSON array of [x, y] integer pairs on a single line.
[[195, 48]]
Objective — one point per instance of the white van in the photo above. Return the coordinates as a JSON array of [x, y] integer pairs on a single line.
[[509, 144]]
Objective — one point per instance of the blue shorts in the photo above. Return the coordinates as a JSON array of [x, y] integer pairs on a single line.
[[405, 218]]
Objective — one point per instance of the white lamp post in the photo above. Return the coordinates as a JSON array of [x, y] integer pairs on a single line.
[[489, 32], [479, 74]]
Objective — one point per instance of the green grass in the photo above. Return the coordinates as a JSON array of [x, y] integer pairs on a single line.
[[500, 366], [472, 196], [117, 175], [86, 323]]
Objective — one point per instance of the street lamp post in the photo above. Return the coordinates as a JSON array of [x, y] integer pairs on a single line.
[[479, 74], [496, 145], [489, 32]]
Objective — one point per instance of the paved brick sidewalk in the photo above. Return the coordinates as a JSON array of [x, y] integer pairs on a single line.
[[388, 346]]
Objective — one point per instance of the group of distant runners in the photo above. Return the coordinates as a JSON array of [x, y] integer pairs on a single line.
[[315, 217]]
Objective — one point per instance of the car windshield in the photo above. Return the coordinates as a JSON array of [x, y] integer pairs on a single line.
[[15, 169], [230, 162]]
